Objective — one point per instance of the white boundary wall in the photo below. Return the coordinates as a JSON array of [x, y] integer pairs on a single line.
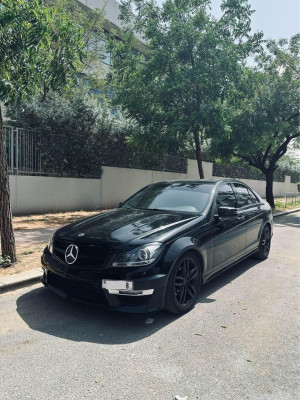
[[37, 194], [117, 184]]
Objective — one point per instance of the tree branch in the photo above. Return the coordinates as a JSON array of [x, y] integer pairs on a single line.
[[245, 158], [266, 154], [282, 149], [292, 117], [223, 16]]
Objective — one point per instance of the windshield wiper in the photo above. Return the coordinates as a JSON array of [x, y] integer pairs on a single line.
[[149, 209]]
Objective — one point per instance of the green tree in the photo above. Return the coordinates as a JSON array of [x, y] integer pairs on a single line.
[[177, 85], [92, 23], [265, 115], [39, 50], [79, 132]]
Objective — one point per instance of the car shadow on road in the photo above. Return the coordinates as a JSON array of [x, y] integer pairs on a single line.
[[44, 311], [289, 220], [225, 278]]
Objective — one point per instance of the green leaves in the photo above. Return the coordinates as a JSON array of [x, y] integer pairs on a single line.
[[39, 49], [5, 261], [264, 116], [91, 23], [189, 66]]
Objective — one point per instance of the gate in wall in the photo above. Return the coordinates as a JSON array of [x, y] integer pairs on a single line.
[[23, 151]]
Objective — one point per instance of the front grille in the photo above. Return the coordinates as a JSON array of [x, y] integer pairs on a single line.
[[88, 255], [79, 289]]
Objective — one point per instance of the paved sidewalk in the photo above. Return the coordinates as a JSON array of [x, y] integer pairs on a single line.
[[11, 282], [17, 280], [280, 213]]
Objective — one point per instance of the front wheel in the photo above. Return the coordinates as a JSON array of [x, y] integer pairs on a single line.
[[184, 284], [264, 244]]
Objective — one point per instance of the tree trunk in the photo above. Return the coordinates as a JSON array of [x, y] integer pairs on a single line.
[[8, 246], [198, 154], [269, 189]]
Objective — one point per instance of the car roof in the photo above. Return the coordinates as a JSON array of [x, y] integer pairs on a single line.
[[214, 181]]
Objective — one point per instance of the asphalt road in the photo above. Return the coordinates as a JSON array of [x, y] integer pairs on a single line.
[[239, 342]]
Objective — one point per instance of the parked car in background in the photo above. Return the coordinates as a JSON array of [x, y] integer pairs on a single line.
[[157, 249]]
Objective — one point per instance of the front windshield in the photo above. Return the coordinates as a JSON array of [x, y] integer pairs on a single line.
[[191, 197]]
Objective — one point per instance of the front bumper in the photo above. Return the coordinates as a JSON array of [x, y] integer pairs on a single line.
[[147, 293]]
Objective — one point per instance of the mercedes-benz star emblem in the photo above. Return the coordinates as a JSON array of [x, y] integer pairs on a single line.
[[71, 254]]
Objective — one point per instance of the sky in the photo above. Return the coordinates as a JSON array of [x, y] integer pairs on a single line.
[[276, 18]]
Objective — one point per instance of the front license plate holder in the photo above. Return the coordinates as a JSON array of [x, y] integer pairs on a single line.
[[117, 285]]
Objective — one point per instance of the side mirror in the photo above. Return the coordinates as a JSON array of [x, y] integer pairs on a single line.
[[120, 204], [225, 211]]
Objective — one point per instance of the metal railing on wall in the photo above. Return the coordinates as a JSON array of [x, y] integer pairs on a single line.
[[30, 153], [23, 151], [244, 172], [292, 197]]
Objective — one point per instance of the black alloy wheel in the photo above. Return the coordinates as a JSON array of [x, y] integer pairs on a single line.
[[264, 244], [183, 285]]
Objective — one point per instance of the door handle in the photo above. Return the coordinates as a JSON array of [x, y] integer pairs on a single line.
[[241, 218]]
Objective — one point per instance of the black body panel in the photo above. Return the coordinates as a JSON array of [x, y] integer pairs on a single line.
[[218, 238]]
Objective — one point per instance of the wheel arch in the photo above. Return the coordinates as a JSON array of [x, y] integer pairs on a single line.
[[268, 224], [168, 304], [196, 253], [199, 257]]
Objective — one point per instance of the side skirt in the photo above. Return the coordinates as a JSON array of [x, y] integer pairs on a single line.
[[207, 278]]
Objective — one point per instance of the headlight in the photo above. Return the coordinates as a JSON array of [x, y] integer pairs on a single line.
[[50, 244], [143, 255]]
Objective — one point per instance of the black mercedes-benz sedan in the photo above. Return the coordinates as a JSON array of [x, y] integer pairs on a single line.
[[159, 247]]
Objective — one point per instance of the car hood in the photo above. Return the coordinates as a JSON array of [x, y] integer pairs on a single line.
[[124, 225]]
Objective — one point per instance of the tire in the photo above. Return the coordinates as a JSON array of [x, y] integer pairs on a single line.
[[264, 244], [184, 284]]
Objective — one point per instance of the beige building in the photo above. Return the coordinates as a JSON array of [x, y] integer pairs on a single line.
[[112, 24], [110, 9]]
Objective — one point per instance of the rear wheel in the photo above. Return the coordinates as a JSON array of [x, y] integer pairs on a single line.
[[264, 244], [184, 284]]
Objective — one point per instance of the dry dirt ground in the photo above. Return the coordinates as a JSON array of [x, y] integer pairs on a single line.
[[29, 250]]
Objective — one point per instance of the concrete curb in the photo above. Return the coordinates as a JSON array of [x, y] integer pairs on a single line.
[[27, 278], [16, 281], [285, 212]]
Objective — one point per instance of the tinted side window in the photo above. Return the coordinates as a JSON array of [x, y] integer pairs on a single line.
[[244, 197], [253, 197], [226, 196]]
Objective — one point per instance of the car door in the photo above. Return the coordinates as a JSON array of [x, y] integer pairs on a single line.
[[229, 238], [249, 206]]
